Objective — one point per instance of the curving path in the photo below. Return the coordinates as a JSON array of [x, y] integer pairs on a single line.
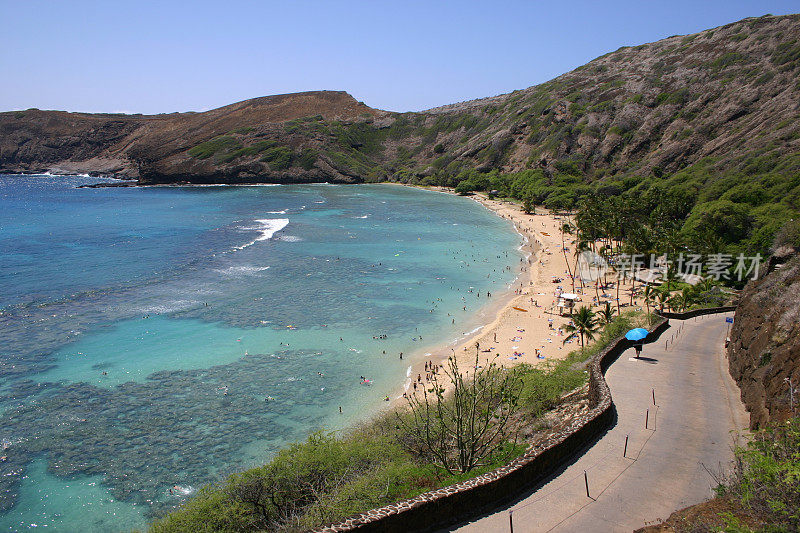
[[694, 422]]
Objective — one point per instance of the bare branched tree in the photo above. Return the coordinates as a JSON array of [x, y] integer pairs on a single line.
[[460, 429]]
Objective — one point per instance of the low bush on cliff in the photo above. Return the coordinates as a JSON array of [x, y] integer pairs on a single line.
[[761, 494], [765, 482], [278, 157], [217, 144]]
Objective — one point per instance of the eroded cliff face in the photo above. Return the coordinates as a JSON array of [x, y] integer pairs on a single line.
[[765, 343]]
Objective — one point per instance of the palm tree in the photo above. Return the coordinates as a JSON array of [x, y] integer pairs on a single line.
[[566, 228], [688, 297], [705, 285], [663, 298], [671, 276], [584, 323], [606, 315], [649, 294], [677, 302]]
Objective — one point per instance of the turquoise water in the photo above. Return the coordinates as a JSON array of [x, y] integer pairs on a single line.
[[153, 340]]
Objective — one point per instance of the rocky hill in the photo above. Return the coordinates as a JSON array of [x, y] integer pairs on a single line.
[[726, 98], [246, 141]]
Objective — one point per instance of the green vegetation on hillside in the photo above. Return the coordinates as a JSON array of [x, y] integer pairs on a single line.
[[227, 148], [737, 212], [223, 143]]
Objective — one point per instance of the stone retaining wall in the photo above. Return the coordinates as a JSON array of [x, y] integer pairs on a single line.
[[697, 312], [448, 505]]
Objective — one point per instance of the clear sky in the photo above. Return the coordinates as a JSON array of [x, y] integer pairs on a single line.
[[402, 55]]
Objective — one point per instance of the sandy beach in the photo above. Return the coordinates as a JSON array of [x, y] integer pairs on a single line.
[[524, 324]]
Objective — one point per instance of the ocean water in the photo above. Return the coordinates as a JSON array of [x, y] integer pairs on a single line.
[[153, 340]]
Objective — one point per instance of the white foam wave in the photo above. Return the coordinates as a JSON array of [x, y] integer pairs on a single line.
[[277, 212], [468, 333], [268, 227], [166, 308], [242, 270], [184, 491], [289, 238]]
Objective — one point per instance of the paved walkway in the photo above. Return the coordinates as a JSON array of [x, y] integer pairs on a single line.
[[697, 407]]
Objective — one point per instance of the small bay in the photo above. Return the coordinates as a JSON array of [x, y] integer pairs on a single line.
[[153, 340]]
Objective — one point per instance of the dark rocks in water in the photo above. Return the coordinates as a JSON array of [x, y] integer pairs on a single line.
[[141, 436], [109, 184]]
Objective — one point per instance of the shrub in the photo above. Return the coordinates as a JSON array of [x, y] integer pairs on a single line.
[[679, 97], [765, 481], [278, 157], [789, 235], [787, 52], [570, 167], [727, 59], [217, 144], [307, 158]]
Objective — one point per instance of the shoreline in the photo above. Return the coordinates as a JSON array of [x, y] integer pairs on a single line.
[[521, 325], [504, 332]]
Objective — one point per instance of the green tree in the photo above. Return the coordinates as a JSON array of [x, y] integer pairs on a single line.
[[606, 314], [566, 229], [528, 207], [720, 219], [649, 295], [671, 276], [584, 323]]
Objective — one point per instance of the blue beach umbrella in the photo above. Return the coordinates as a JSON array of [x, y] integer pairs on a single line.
[[636, 334]]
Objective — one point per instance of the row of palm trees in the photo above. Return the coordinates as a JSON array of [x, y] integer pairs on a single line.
[[614, 225], [586, 322], [679, 301]]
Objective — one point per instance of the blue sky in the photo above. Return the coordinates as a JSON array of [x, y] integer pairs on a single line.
[[406, 55]]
